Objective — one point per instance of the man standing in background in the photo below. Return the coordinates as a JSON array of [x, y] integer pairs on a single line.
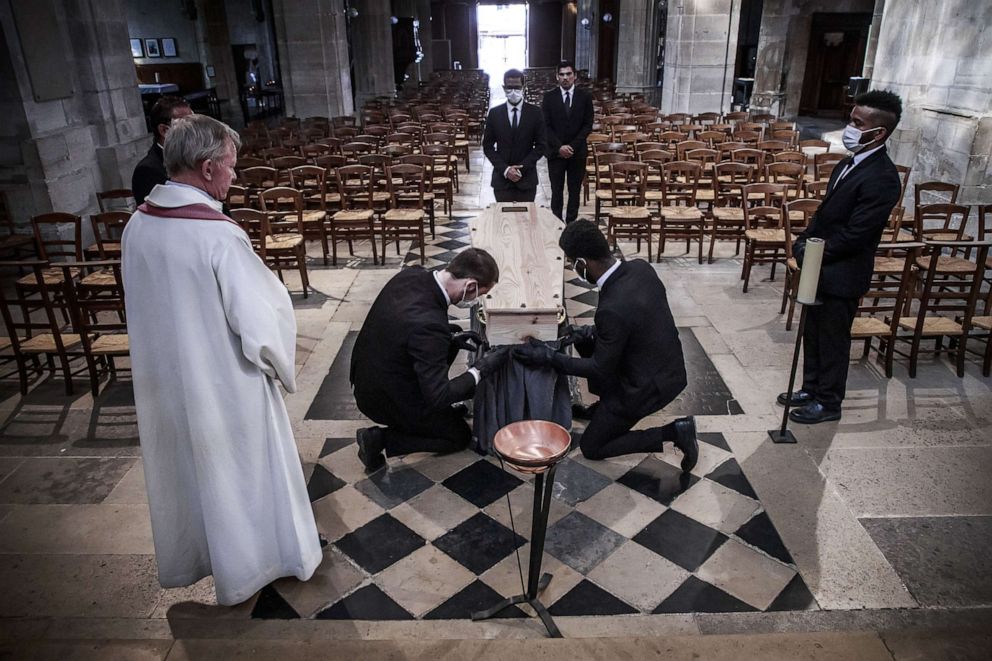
[[568, 117], [150, 170], [514, 142]]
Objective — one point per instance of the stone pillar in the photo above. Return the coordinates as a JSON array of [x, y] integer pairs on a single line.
[[943, 77], [372, 50], [637, 47], [568, 24], [426, 66], [216, 52], [700, 51], [872, 48], [585, 36], [313, 57], [56, 154]]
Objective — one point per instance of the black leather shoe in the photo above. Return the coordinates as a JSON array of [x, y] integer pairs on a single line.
[[687, 443], [370, 448], [813, 413], [799, 398], [581, 412]]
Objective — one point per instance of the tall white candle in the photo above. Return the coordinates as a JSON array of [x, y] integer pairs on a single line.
[[809, 275]]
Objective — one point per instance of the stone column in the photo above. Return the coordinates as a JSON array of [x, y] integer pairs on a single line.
[[372, 51], [585, 36], [313, 57], [426, 65], [56, 154], [216, 52], [872, 48], [636, 48], [700, 50]]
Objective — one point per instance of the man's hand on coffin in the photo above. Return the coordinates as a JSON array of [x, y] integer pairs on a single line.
[[535, 354], [578, 334], [492, 361], [468, 340]]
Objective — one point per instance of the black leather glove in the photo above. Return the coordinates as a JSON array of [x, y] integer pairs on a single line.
[[468, 340], [535, 354], [575, 334], [492, 361]]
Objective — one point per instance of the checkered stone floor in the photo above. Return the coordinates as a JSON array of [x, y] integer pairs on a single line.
[[431, 538]]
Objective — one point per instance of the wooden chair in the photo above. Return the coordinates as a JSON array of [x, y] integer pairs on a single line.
[[50, 246], [727, 221], [287, 209], [788, 174], [108, 227], [764, 234], [406, 217], [947, 301], [627, 216], [680, 217], [603, 194], [925, 193], [356, 220], [283, 250], [257, 179], [119, 199], [444, 174], [942, 222], [796, 216]]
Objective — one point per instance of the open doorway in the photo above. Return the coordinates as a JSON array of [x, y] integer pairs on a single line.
[[502, 41], [837, 44]]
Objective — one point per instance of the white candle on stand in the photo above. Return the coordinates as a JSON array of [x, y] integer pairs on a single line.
[[809, 274]]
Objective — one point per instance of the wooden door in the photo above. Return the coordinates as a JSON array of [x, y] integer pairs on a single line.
[[837, 44]]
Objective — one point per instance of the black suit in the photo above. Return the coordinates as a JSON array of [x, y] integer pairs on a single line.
[[635, 364], [567, 127], [850, 220], [399, 368], [149, 172], [505, 146]]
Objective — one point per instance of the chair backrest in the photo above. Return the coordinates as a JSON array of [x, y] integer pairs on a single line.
[[791, 157], [929, 192], [282, 199], [704, 156], [687, 145], [952, 293], [766, 195], [729, 178], [256, 224], [754, 157], [309, 179], [886, 296], [352, 150], [259, 178], [58, 236], [796, 216], [681, 183], [904, 172], [748, 137], [119, 199], [712, 137], [762, 216], [108, 227], [946, 220], [96, 310], [790, 174], [817, 189], [628, 181], [20, 306], [356, 183], [814, 144], [408, 186]]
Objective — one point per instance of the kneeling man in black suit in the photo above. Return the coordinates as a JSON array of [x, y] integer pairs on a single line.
[[631, 356]]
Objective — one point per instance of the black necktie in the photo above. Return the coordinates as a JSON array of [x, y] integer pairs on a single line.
[[513, 122], [568, 102], [843, 167]]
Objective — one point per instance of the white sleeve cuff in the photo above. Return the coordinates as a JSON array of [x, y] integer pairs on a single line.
[[506, 170], [475, 373]]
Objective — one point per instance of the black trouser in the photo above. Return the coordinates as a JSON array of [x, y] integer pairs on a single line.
[[827, 349], [575, 169], [608, 435], [515, 194]]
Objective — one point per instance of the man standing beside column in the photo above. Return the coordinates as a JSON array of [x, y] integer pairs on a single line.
[[568, 117]]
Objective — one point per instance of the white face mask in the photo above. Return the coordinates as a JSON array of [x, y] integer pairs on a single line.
[[465, 302], [585, 270], [852, 137], [514, 96]]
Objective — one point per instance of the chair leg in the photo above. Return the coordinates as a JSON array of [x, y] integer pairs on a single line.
[[786, 286], [423, 240], [375, 256], [699, 258], [709, 258], [301, 260], [334, 248], [748, 261]]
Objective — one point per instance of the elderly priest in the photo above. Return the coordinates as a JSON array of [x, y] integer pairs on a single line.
[[211, 332]]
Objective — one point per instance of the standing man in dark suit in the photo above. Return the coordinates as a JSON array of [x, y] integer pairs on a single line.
[[150, 171], [399, 366], [631, 356], [863, 190], [514, 142], [568, 117]]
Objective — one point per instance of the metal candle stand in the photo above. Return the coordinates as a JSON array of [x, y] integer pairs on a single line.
[[809, 279], [548, 444]]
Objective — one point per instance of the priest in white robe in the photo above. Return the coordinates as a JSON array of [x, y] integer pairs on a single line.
[[211, 331]]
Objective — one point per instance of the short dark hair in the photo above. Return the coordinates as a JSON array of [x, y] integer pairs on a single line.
[[565, 64], [582, 238], [887, 106], [475, 263], [515, 73], [162, 111]]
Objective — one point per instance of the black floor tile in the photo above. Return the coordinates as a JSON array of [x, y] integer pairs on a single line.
[[588, 297], [271, 606], [380, 543], [761, 533], [586, 598], [696, 596], [334, 399], [476, 597], [368, 603], [451, 244], [390, 488], [479, 543], [575, 482], [795, 597], [482, 483], [715, 439], [658, 480], [680, 539], [706, 392], [729, 474], [448, 255], [332, 445], [322, 482], [580, 542]]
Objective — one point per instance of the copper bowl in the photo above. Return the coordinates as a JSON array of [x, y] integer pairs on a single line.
[[532, 446]]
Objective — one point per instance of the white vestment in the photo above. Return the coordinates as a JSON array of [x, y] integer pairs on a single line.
[[211, 329]]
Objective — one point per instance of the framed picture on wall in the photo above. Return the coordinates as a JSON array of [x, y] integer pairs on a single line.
[[169, 47], [136, 48], [151, 48]]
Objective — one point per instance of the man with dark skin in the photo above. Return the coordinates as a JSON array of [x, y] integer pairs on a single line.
[[863, 190], [631, 356]]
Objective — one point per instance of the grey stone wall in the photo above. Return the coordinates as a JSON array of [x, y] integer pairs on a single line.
[[313, 56], [937, 57]]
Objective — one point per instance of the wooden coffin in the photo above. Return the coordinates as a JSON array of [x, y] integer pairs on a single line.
[[528, 300]]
